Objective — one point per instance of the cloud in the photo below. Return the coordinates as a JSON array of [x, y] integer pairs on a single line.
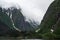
[[31, 9]]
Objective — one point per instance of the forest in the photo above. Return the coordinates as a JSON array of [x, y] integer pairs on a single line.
[[14, 24]]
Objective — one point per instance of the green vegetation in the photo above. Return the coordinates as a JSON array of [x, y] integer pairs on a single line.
[[50, 21], [5, 19]]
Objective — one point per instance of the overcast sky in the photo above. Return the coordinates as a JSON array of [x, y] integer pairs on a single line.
[[31, 9]]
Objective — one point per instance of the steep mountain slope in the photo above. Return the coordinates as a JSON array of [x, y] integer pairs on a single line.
[[51, 19], [5, 23], [20, 22], [17, 20]]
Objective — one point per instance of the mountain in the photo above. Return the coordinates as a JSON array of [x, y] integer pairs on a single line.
[[5, 23], [51, 20], [14, 19]]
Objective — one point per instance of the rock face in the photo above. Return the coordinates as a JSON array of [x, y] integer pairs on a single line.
[[19, 21], [51, 19], [12, 20]]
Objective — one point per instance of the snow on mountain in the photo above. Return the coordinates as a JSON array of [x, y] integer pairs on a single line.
[[31, 9]]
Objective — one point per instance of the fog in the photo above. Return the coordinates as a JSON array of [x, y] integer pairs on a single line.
[[32, 9]]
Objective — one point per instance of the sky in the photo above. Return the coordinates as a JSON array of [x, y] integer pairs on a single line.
[[31, 9]]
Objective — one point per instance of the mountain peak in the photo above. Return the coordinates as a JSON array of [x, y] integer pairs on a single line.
[[18, 20]]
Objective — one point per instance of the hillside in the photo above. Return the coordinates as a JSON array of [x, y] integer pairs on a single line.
[[12, 22], [51, 20]]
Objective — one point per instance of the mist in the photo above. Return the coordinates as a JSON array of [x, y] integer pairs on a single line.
[[32, 9]]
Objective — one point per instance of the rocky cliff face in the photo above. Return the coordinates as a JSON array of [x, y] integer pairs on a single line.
[[12, 20], [19, 21]]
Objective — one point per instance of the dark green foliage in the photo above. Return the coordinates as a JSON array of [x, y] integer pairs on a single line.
[[50, 21], [14, 16], [6, 25], [57, 27], [5, 19], [49, 36], [50, 18], [3, 29]]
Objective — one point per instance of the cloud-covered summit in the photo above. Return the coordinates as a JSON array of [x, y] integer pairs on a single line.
[[31, 9]]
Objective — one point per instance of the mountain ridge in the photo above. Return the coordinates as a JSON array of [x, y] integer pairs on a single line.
[[19, 20]]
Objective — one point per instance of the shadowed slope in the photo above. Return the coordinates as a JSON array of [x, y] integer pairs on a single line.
[[51, 17]]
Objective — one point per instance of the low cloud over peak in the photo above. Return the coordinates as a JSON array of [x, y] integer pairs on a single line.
[[31, 9]]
